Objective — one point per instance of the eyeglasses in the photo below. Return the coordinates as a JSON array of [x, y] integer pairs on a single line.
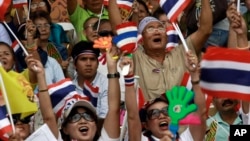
[[153, 29], [40, 26], [155, 113], [35, 5], [17, 118], [76, 117], [90, 25], [105, 33]]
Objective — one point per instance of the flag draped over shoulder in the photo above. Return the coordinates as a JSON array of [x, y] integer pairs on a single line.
[[173, 8], [19, 3], [91, 92], [60, 93], [226, 73], [5, 126], [19, 93]]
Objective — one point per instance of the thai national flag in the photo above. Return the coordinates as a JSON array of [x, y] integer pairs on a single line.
[[186, 81], [173, 8], [5, 126], [124, 4], [15, 46], [126, 38], [91, 92], [60, 93], [19, 3], [173, 38], [226, 73]]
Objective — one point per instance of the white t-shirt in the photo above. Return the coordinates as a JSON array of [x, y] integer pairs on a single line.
[[184, 136]]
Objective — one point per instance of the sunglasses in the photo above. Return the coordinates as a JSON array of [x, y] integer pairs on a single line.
[[155, 113], [105, 33], [76, 117], [24, 121]]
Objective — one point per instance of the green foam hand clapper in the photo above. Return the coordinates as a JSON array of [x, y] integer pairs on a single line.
[[179, 107]]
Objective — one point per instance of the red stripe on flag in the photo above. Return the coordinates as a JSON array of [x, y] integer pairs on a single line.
[[140, 98]]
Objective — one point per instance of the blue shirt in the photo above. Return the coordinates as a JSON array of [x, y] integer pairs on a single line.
[[219, 129]]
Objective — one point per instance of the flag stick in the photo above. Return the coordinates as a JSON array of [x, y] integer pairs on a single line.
[[18, 18], [6, 101], [19, 42], [238, 5], [182, 39], [99, 20]]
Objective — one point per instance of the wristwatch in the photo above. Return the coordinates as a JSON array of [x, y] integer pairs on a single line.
[[115, 75]]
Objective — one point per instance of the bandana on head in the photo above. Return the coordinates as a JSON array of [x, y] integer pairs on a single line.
[[145, 21]]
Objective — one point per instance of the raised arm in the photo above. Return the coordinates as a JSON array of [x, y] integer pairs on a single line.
[[44, 98], [114, 14], [71, 6], [200, 36], [134, 123], [238, 30], [197, 131], [112, 120]]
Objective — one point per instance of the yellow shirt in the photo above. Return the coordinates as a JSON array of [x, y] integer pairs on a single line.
[[155, 77]]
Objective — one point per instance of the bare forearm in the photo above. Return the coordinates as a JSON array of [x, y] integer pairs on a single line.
[[114, 14], [45, 105], [134, 124]]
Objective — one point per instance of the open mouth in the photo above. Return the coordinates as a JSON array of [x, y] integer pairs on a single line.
[[157, 40], [163, 125], [84, 129], [227, 103]]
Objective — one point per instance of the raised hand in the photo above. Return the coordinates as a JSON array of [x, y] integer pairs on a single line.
[[179, 105]]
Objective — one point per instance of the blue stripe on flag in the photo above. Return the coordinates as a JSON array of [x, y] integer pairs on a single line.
[[173, 38], [229, 76], [3, 112], [125, 35], [59, 95], [168, 5], [88, 93]]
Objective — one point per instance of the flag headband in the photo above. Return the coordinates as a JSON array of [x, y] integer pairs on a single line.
[[145, 21], [91, 52]]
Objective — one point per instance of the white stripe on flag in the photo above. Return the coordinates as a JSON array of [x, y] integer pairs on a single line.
[[225, 65], [227, 87], [126, 41]]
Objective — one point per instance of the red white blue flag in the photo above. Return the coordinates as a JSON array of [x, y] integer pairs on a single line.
[[226, 73], [173, 8], [60, 93], [124, 4], [91, 92], [5, 126], [19, 3], [15, 46], [173, 38], [126, 38]]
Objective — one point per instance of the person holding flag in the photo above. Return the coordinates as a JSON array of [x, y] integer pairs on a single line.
[[154, 117], [165, 69], [44, 102]]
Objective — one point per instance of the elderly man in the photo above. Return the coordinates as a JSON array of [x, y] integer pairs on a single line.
[[78, 15], [160, 71]]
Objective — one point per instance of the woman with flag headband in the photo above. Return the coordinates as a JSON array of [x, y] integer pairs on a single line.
[[154, 116]]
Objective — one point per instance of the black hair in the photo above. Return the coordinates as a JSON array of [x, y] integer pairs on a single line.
[[40, 14], [158, 12], [145, 6], [83, 46], [11, 51]]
